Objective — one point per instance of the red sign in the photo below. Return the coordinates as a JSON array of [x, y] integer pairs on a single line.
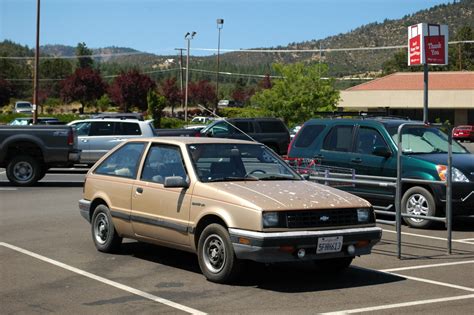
[[415, 50], [434, 50]]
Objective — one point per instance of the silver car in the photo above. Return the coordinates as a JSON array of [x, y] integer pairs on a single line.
[[97, 136]]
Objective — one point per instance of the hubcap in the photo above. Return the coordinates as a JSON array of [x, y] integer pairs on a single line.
[[417, 205], [23, 171], [214, 253], [101, 228]]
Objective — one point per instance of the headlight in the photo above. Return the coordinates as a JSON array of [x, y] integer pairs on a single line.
[[363, 215], [456, 175], [270, 219]]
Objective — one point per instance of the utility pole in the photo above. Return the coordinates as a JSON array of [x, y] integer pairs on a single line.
[[181, 72], [187, 37], [37, 52], [220, 25]]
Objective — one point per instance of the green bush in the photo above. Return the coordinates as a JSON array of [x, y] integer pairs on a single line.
[[245, 112], [167, 122]]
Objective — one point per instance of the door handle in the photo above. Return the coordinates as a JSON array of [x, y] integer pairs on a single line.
[[85, 140], [139, 190], [356, 160]]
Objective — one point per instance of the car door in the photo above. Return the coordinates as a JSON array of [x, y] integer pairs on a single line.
[[336, 147], [101, 139], [160, 212], [82, 130]]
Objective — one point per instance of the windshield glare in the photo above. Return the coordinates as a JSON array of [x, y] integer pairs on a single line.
[[424, 140], [215, 162]]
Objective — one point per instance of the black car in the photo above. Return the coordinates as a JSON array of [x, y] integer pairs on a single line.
[[270, 131]]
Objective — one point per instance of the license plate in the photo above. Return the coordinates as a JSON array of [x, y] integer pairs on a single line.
[[331, 244]]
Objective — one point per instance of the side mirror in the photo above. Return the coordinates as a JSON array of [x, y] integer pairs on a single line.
[[175, 181], [382, 151]]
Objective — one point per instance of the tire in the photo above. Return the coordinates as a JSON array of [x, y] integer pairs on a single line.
[[334, 264], [418, 201], [216, 255], [23, 170], [104, 235]]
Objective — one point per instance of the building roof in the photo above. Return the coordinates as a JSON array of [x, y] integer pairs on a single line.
[[453, 80]]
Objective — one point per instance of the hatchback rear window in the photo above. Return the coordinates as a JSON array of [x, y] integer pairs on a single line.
[[307, 136]]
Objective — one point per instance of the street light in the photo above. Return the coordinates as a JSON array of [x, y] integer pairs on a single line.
[[187, 37], [220, 25]]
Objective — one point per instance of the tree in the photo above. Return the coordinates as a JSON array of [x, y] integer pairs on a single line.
[[202, 93], [84, 85], [461, 55], [265, 83], [241, 92], [54, 69], [300, 94], [156, 104], [83, 54], [5, 92], [130, 89], [171, 92]]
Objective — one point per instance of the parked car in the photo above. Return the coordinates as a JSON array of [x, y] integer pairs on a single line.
[[25, 121], [229, 103], [464, 133], [201, 120], [23, 107], [369, 146], [225, 200], [270, 131], [178, 132], [27, 152], [97, 136], [137, 116]]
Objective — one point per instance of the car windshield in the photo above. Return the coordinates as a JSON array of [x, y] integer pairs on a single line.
[[23, 105], [217, 162], [19, 122], [421, 140]]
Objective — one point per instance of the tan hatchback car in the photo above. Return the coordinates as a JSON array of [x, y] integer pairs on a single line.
[[226, 200]]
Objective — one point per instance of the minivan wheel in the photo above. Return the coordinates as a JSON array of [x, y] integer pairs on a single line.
[[23, 170], [103, 231], [216, 255], [418, 201]]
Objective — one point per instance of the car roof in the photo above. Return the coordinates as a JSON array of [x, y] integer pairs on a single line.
[[191, 140]]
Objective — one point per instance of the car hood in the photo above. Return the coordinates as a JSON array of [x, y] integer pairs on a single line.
[[462, 161], [280, 195]]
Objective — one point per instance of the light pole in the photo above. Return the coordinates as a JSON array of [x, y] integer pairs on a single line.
[[220, 25], [37, 52], [187, 37]]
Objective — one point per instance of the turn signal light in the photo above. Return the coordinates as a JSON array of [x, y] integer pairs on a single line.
[[244, 241], [362, 243], [287, 248]]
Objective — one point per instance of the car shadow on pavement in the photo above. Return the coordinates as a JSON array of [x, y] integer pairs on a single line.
[[45, 184], [287, 277]]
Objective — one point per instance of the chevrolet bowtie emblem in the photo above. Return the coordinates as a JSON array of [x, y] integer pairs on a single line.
[[324, 218]]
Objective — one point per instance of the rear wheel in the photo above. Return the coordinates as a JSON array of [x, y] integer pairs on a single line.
[[418, 201], [23, 170], [103, 231], [216, 255]]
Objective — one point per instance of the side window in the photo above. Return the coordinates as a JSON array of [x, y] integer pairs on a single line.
[[339, 139], [128, 129], [123, 162], [272, 126], [368, 139], [245, 126], [163, 161], [102, 128], [82, 128], [308, 135], [221, 129]]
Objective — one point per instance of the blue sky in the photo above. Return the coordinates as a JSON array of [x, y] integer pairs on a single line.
[[159, 26]]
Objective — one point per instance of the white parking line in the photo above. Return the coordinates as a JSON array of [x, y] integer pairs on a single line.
[[427, 236], [444, 284], [429, 266], [104, 280], [406, 304], [8, 189], [2, 172]]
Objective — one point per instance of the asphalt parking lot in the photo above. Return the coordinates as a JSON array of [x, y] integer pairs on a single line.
[[48, 263]]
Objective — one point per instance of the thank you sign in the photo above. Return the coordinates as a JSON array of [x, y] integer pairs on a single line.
[[427, 44]]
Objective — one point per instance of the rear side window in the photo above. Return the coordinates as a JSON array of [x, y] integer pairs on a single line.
[[339, 139], [128, 129], [82, 128], [102, 128], [307, 135], [123, 162], [272, 126]]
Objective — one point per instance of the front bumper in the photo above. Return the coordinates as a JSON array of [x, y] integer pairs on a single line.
[[276, 246], [84, 209], [462, 197]]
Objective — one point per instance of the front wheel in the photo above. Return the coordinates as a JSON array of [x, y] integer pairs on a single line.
[[418, 201], [216, 255], [103, 231]]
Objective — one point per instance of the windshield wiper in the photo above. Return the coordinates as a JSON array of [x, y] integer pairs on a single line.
[[277, 177], [233, 178]]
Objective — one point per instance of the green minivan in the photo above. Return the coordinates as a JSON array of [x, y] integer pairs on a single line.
[[369, 147]]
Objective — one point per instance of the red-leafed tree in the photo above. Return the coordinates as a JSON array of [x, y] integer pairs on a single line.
[[5, 92], [171, 92], [202, 92], [130, 89], [265, 83], [84, 85]]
